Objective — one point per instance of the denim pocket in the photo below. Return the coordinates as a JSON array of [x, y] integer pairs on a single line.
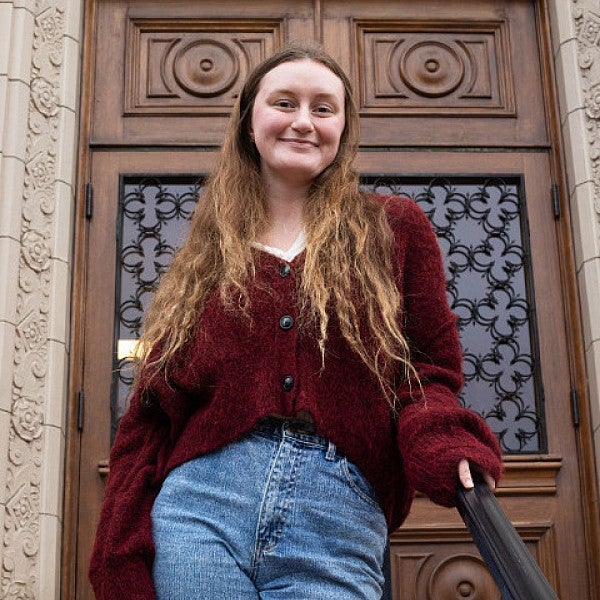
[[357, 481]]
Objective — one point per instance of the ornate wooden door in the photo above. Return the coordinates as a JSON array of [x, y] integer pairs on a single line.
[[451, 116]]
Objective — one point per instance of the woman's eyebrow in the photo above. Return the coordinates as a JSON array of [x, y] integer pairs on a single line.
[[295, 93], [318, 95]]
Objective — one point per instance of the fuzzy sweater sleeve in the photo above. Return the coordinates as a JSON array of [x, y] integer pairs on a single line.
[[434, 431], [123, 553]]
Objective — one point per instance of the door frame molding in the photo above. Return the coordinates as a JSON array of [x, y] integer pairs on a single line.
[[68, 561]]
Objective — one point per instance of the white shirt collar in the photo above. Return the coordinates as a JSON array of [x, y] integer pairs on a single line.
[[288, 255]]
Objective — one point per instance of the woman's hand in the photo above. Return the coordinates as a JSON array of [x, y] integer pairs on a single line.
[[464, 474]]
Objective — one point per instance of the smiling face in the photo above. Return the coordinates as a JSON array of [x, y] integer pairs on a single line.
[[297, 121]]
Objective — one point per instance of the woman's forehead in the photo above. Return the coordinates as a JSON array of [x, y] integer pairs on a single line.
[[301, 74]]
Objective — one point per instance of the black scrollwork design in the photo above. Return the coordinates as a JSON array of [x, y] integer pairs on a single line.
[[154, 218], [480, 227]]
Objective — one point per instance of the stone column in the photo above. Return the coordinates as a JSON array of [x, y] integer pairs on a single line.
[[576, 44], [39, 75]]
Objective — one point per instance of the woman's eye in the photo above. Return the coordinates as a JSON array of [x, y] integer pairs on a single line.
[[284, 103], [324, 109]]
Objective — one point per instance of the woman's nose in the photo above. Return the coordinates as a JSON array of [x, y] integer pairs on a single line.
[[303, 121]]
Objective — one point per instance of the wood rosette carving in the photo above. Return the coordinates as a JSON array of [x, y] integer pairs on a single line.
[[457, 571], [422, 68], [193, 67]]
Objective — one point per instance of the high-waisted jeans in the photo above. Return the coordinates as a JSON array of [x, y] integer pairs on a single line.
[[276, 515]]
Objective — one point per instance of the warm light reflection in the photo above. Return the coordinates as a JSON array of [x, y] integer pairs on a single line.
[[127, 349]]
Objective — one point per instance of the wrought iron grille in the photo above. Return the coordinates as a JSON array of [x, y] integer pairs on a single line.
[[154, 215], [481, 224]]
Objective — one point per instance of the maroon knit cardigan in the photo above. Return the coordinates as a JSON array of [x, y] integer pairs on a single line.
[[239, 370]]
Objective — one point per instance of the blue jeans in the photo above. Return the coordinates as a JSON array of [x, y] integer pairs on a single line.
[[276, 515]]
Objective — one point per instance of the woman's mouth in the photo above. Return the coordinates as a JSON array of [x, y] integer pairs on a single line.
[[300, 143]]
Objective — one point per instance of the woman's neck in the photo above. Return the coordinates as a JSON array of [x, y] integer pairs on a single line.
[[286, 210]]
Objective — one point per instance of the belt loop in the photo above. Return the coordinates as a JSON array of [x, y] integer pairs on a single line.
[[330, 455]]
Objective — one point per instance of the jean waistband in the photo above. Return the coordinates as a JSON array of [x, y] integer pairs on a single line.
[[301, 430]]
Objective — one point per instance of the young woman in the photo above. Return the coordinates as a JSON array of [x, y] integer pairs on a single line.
[[299, 371]]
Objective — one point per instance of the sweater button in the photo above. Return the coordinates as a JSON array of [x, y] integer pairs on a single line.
[[287, 383], [148, 399], [284, 270], [286, 322]]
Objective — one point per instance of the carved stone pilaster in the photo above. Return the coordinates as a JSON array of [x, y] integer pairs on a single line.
[[20, 544], [587, 22]]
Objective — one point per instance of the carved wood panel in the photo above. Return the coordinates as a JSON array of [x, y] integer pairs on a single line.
[[462, 575], [449, 73], [192, 66], [422, 568], [168, 73], [435, 68]]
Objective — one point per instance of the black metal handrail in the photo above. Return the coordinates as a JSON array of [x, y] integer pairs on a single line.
[[512, 566]]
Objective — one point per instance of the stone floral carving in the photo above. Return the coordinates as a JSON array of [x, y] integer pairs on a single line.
[[44, 97], [20, 591], [35, 251], [48, 34], [587, 21], [19, 567], [51, 25], [590, 31], [592, 102], [27, 419], [41, 168], [20, 507], [33, 330]]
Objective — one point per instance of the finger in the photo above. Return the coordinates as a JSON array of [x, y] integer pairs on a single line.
[[489, 480], [464, 474]]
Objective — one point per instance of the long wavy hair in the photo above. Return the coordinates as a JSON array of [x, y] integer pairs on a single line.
[[348, 247]]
